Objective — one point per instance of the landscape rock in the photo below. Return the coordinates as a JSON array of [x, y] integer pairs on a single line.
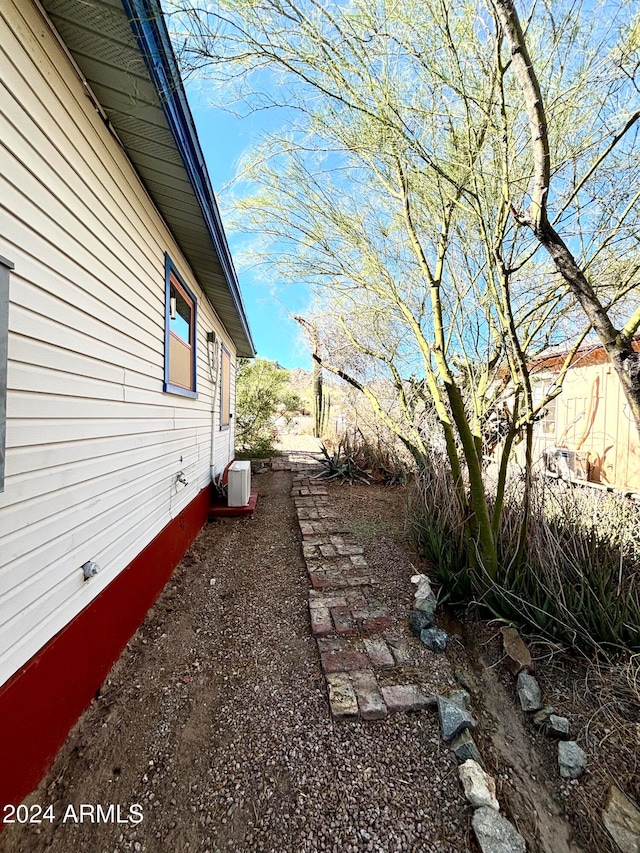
[[423, 585], [425, 602], [464, 747], [495, 833], [558, 727], [462, 698], [420, 620], [572, 760], [518, 656], [453, 719], [622, 820], [434, 639], [551, 723], [529, 692], [466, 679], [479, 787], [541, 717], [427, 606]]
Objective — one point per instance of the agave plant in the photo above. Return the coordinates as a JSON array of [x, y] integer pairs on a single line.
[[342, 465]]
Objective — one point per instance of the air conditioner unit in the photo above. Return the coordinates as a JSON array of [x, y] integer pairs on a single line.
[[566, 464], [239, 484]]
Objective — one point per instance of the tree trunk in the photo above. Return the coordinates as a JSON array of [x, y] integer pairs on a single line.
[[316, 385], [618, 345]]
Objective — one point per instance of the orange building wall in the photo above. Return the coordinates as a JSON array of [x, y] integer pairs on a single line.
[[592, 416]]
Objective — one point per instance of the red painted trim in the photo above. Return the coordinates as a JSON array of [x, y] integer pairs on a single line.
[[40, 703], [224, 511]]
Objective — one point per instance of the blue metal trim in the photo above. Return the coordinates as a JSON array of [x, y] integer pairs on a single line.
[[167, 273], [176, 389], [170, 267], [148, 25]]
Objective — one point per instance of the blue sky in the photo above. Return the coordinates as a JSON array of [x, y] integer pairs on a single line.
[[224, 138]]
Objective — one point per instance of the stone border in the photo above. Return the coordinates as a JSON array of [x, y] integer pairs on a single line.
[[353, 630], [351, 627]]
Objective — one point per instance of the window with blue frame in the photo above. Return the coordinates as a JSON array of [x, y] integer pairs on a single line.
[[180, 334]]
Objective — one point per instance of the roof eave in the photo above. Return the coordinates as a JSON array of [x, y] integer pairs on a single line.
[[123, 53], [147, 22]]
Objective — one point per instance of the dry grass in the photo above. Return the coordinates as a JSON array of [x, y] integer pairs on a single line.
[[613, 729], [577, 582], [603, 703]]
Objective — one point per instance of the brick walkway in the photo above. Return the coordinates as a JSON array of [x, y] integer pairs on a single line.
[[352, 625]]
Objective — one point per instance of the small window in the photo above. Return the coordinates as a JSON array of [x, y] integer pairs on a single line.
[[225, 389], [180, 334]]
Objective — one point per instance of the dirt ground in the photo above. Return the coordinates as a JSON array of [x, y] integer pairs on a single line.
[[215, 723], [215, 720]]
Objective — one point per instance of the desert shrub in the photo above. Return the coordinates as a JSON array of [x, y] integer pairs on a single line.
[[383, 457], [577, 581], [341, 464], [439, 532], [375, 457]]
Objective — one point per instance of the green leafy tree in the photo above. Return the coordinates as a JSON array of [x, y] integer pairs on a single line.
[[263, 396]]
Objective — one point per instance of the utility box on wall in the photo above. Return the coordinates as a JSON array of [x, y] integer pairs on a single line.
[[239, 484]]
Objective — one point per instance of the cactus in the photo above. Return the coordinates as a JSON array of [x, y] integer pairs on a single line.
[[321, 411], [321, 405]]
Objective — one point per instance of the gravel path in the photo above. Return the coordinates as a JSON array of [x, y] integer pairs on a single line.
[[216, 721]]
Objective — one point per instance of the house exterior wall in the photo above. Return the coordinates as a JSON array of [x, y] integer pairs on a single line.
[[93, 444], [591, 415]]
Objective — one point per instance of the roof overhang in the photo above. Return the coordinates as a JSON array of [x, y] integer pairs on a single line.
[[586, 356], [122, 49]]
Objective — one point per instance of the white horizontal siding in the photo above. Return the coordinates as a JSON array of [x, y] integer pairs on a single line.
[[72, 481], [93, 444], [78, 301]]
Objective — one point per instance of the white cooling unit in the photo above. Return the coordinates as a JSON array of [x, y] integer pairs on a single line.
[[239, 484], [566, 464]]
